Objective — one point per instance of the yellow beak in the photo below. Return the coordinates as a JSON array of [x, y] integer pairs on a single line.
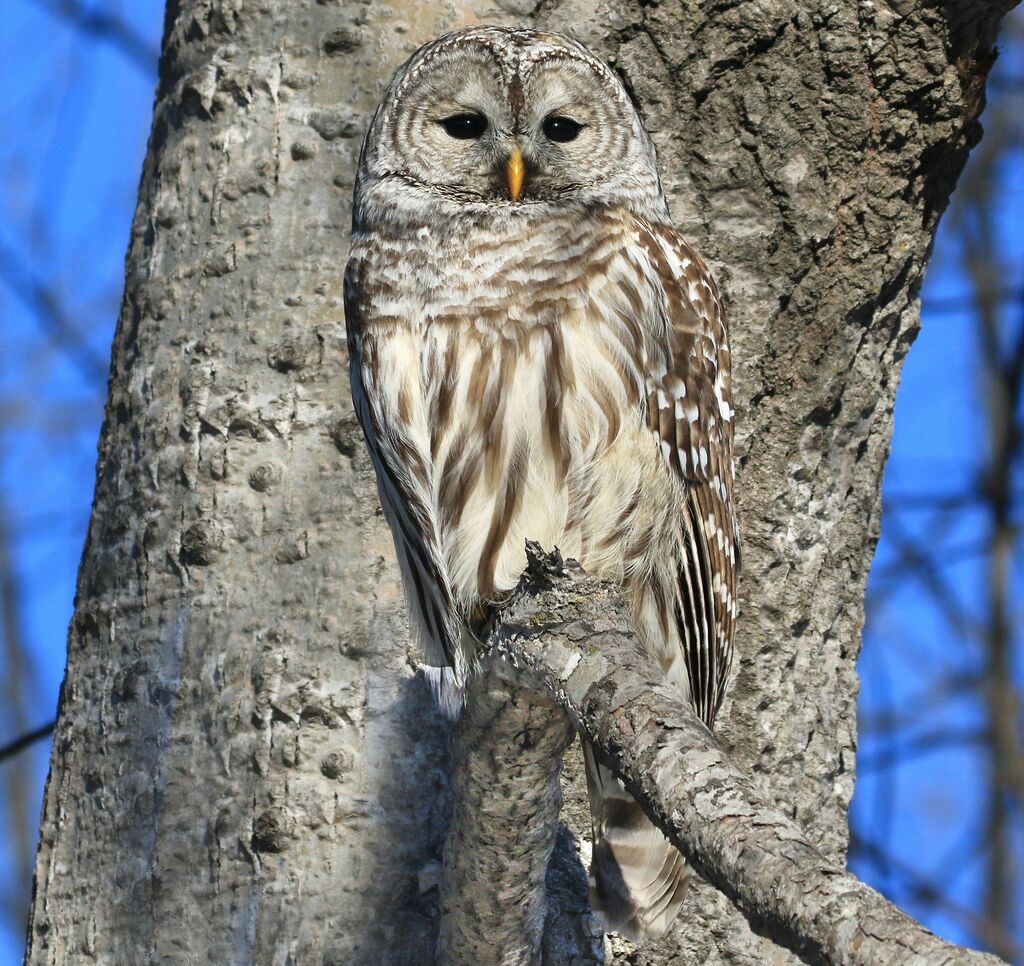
[[516, 171]]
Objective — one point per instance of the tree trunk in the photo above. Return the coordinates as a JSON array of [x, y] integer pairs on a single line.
[[246, 767]]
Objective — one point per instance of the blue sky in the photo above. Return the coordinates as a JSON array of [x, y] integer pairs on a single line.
[[76, 115]]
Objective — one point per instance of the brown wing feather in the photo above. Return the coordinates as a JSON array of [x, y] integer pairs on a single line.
[[689, 405], [403, 484]]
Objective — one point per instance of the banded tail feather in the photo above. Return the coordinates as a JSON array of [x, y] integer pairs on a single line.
[[638, 879]]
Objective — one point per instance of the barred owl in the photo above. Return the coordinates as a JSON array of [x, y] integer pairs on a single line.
[[537, 354]]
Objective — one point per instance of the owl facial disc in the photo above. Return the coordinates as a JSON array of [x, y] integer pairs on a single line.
[[503, 123]]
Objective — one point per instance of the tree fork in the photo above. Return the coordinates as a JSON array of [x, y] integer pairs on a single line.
[[564, 650]]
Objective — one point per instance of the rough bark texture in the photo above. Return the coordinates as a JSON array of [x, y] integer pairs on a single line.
[[246, 766], [506, 798], [568, 637]]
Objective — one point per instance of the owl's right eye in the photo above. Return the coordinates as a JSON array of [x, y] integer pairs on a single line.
[[465, 127]]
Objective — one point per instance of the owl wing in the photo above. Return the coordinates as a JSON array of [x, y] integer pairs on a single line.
[[669, 319], [689, 411], [384, 372]]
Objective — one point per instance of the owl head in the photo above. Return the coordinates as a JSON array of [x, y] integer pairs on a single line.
[[493, 122]]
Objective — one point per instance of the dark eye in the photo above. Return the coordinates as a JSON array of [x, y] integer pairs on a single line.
[[465, 127], [561, 129]]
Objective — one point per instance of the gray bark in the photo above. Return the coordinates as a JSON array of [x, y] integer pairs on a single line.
[[564, 650], [505, 804], [246, 766]]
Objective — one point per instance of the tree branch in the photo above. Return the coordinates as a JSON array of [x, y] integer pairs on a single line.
[[20, 743], [43, 302], [567, 635], [109, 27]]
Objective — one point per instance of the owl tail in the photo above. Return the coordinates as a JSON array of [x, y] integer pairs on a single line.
[[638, 879]]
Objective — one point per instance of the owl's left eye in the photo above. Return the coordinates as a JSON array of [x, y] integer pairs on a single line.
[[561, 129], [465, 127]]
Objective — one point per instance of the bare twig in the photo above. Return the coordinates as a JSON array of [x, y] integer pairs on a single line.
[[22, 742], [967, 303], [14, 781], [938, 739], [106, 26], [48, 311], [1001, 351], [956, 685]]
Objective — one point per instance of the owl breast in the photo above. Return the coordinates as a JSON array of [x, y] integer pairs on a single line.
[[525, 373]]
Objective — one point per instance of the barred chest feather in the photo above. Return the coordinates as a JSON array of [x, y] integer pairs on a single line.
[[519, 373]]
